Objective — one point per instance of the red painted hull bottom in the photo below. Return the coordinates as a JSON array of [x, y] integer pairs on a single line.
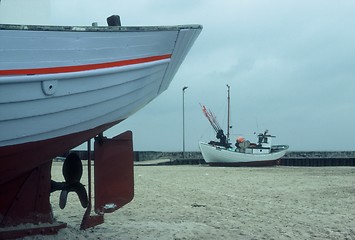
[[245, 164], [25, 174]]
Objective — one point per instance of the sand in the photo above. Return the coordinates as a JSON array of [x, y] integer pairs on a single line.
[[202, 202]]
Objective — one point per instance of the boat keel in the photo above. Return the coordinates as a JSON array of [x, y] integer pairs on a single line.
[[25, 200], [25, 207]]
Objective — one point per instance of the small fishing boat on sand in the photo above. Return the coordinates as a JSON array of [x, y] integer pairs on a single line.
[[61, 86], [243, 153]]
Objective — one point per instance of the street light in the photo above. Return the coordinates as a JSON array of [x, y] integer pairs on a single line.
[[183, 121]]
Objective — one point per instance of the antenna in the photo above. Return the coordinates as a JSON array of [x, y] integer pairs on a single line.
[[228, 120]]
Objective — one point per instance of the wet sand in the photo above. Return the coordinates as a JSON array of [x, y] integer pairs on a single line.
[[201, 202]]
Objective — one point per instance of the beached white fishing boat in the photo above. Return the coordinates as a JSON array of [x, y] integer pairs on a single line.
[[243, 153], [61, 86], [247, 154]]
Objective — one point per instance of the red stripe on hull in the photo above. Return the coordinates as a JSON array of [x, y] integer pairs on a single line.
[[87, 67]]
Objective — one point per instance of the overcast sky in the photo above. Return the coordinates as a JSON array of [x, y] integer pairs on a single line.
[[290, 65]]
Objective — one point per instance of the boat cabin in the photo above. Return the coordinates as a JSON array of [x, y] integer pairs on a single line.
[[262, 147], [264, 139]]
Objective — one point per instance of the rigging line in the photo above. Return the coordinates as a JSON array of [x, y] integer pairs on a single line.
[[206, 127], [211, 118]]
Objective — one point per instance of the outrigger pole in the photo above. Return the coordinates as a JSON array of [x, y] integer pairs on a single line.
[[224, 140], [211, 118]]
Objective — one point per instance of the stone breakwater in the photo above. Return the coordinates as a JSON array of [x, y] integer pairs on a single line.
[[295, 158], [292, 158], [317, 158]]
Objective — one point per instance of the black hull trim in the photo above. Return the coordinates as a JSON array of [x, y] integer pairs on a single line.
[[246, 164]]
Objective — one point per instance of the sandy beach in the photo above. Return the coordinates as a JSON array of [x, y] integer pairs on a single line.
[[202, 202]]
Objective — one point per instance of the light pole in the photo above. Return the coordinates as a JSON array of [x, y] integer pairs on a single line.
[[183, 121]]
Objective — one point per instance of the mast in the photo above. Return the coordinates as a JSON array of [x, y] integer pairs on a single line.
[[228, 121]]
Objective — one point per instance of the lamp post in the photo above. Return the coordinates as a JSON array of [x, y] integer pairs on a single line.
[[183, 121]]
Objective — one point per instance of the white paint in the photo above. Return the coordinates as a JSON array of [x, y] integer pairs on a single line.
[[44, 106]]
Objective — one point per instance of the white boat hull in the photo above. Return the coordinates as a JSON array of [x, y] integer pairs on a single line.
[[61, 86], [55, 82], [220, 156]]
